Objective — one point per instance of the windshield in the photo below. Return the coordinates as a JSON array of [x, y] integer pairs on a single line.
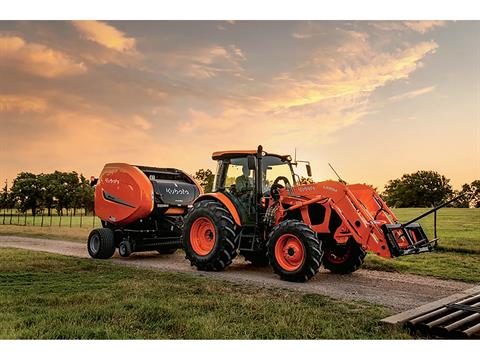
[[272, 168]]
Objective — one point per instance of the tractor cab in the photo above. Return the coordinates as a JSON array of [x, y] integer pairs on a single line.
[[247, 177]]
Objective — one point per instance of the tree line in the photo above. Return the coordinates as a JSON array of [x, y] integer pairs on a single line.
[[60, 191], [54, 191]]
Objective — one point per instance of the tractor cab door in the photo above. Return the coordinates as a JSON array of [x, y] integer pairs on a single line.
[[239, 183]]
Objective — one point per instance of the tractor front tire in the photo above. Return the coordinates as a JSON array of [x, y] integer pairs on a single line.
[[210, 236], [101, 243], [294, 251], [343, 258]]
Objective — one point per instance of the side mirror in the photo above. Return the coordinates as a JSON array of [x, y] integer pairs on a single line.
[[251, 162], [309, 170]]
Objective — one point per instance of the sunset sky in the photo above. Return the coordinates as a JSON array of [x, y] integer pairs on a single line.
[[376, 99]]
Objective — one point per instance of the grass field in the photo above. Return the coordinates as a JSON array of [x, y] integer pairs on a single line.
[[457, 258], [46, 296]]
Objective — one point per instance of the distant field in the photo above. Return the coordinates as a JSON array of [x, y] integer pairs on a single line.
[[46, 296]]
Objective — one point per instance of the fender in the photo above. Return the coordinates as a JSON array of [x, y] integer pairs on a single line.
[[225, 201]]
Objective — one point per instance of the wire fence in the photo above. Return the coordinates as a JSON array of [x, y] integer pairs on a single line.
[[78, 219]]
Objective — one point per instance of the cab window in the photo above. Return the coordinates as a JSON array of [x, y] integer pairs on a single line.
[[272, 168]]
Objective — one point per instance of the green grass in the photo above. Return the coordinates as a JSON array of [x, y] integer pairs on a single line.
[[58, 233], [46, 296], [442, 265]]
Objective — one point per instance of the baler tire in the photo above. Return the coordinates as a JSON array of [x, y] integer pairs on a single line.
[[167, 251], [350, 264], [311, 250], [124, 249], [226, 236], [105, 241], [256, 258]]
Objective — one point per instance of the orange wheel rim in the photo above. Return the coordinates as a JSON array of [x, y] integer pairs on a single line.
[[202, 236], [289, 252]]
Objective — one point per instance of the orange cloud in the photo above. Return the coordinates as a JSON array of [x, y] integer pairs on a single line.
[[353, 69], [419, 26], [37, 59], [141, 122], [423, 26], [105, 35], [412, 94], [22, 104], [204, 63], [327, 92]]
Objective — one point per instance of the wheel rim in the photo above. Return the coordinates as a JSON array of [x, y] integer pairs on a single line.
[[289, 252], [94, 244], [202, 236]]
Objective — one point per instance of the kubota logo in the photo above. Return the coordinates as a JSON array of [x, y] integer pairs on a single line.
[[112, 181], [326, 187], [305, 188], [177, 191]]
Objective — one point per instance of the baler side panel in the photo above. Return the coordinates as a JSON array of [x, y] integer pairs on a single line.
[[123, 194]]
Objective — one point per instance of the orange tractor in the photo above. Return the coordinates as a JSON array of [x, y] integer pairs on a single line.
[[257, 208]]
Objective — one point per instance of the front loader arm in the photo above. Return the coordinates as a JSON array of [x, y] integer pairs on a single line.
[[365, 217]]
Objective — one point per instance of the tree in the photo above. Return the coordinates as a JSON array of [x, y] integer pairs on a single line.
[[471, 196], [419, 189], [27, 192], [84, 195], [64, 189], [205, 178], [5, 198], [49, 185]]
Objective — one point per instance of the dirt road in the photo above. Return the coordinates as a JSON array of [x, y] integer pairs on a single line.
[[394, 290]]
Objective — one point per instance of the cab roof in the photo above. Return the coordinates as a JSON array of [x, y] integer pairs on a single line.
[[228, 154]]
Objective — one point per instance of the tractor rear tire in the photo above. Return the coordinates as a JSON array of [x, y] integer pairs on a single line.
[[167, 251], [256, 258], [101, 243], [210, 236], [343, 259], [294, 251]]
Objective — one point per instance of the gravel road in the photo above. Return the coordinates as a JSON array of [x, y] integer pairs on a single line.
[[394, 290]]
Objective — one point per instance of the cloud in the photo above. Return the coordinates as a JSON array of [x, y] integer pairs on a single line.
[[37, 59], [22, 104], [328, 91], [141, 122], [401, 26], [105, 35], [412, 94], [204, 63], [299, 35], [354, 68], [423, 26]]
